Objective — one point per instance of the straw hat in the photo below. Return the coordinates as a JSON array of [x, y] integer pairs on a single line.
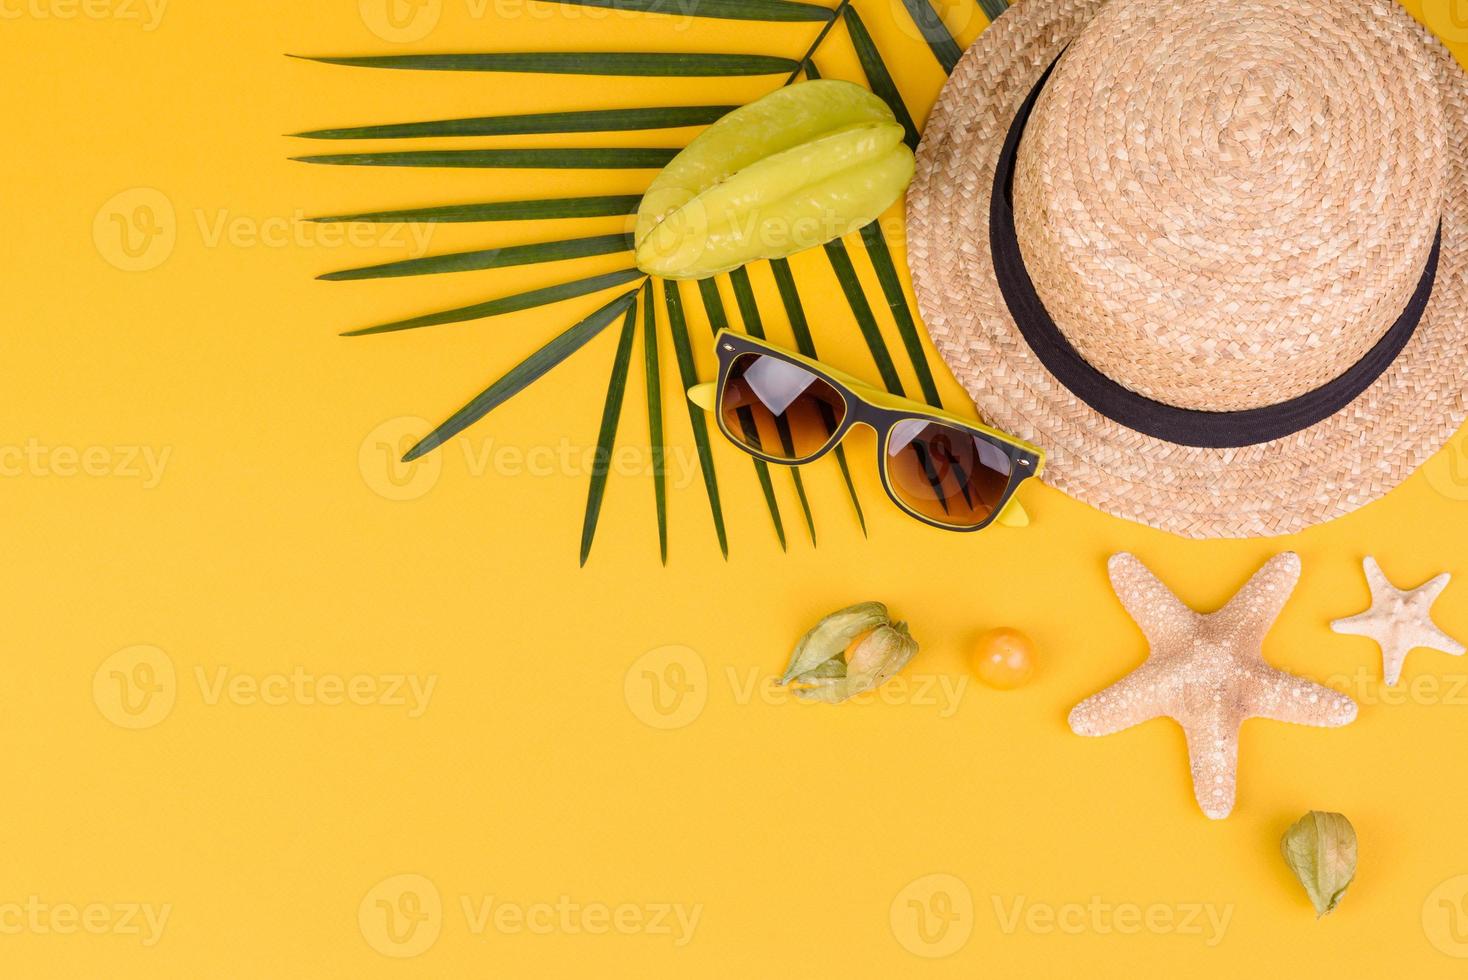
[[1212, 255]]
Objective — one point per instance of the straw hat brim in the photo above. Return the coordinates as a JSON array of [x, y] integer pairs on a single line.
[[1329, 469]]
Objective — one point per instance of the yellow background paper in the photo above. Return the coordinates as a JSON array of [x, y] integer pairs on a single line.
[[217, 584]]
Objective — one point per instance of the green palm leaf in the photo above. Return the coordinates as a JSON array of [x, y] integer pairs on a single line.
[[648, 64], [931, 27], [493, 258], [523, 375], [767, 487], [585, 121], [805, 343], [857, 300], [507, 304], [886, 269], [653, 372], [578, 158], [713, 306], [606, 439], [805, 62], [767, 10], [878, 77], [621, 63], [559, 207], [753, 325], [993, 8], [683, 350], [862, 310]]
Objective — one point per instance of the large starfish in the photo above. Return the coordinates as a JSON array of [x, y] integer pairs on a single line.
[[1399, 620], [1207, 673]]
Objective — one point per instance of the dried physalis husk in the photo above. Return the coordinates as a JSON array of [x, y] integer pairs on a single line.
[[848, 653], [1320, 849]]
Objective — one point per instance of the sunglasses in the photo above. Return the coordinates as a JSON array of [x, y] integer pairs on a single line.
[[943, 470]]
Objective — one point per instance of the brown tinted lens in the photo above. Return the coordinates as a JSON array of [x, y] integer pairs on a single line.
[[778, 408], [944, 473]]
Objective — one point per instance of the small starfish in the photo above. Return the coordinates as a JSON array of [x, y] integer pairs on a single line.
[[1207, 673], [1399, 621]]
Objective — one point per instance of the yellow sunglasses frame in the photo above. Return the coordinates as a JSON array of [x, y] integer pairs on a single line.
[[730, 345]]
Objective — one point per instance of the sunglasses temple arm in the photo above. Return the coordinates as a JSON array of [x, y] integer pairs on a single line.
[[704, 396], [1013, 514]]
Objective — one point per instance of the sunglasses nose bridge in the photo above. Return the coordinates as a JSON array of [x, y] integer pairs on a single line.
[[870, 426]]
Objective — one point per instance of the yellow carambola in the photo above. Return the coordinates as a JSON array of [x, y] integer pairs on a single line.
[[795, 169]]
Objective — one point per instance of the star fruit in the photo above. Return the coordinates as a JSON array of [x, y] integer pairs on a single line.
[[806, 164]]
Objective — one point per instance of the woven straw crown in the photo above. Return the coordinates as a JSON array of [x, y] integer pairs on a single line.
[[1226, 206]]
